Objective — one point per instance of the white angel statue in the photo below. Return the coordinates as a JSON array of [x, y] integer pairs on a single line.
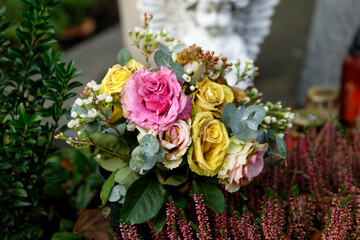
[[235, 28]]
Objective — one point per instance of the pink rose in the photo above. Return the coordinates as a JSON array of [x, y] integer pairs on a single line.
[[175, 142], [154, 100], [243, 161]]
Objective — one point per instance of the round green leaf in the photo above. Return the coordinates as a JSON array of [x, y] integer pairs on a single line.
[[143, 200], [149, 144], [126, 176], [227, 114]]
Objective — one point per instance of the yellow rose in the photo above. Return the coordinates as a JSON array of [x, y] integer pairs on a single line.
[[211, 142], [211, 97], [116, 76]]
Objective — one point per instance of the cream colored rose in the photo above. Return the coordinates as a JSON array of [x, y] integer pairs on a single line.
[[210, 143], [175, 141], [211, 97], [243, 161]]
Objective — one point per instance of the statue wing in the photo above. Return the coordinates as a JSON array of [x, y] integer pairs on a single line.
[[170, 14], [253, 23]]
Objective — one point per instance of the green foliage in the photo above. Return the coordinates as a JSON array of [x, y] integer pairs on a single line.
[[213, 196], [106, 188], [143, 200], [34, 86], [163, 57], [123, 56], [146, 155], [243, 123]]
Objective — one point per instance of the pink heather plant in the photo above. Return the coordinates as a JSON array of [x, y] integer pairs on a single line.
[[154, 100], [316, 196]]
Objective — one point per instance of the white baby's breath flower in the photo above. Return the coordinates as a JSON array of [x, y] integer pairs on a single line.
[[164, 31], [74, 114], [247, 99], [151, 32], [266, 108], [267, 119], [92, 113], [79, 133], [137, 29], [255, 91], [88, 101], [281, 135], [186, 78], [83, 115], [273, 119], [158, 39], [98, 156], [249, 61], [289, 125], [101, 96], [73, 124], [108, 99], [192, 88], [68, 142], [79, 102], [130, 127]]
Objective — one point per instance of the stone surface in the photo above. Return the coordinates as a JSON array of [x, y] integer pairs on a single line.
[[333, 28]]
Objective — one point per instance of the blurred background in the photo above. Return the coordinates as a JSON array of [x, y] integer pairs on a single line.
[[93, 31]]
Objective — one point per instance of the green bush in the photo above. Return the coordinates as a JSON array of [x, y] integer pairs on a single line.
[[34, 84]]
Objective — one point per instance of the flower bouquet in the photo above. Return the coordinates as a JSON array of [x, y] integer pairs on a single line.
[[175, 128]]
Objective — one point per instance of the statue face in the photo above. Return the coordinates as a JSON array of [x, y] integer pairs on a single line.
[[214, 15]]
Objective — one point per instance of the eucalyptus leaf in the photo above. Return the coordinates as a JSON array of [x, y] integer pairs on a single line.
[[178, 70], [117, 192], [164, 49], [161, 59], [123, 56], [256, 112], [228, 113], [178, 48], [281, 146], [143, 200], [149, 144]]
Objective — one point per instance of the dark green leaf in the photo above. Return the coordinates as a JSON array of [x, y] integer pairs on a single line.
[[143, 200], [17, 53], [65, 236], [17, 123], [175, 180], [18, 203], [281, 146], [106, 188], [123, 56], [23, 35], [5, 26], [32, 3], [69, 95], [30, 141], [92, 126], [160, 219], [109, 142], [126, 176], [35, 118], [74, 85], [22, 113], [213, 196], [2, 11], [20, 192]]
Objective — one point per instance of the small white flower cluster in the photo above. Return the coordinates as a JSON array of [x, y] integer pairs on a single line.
[[74, 124], [277, 116], [107, 97], [93, 85], [157, 36]]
